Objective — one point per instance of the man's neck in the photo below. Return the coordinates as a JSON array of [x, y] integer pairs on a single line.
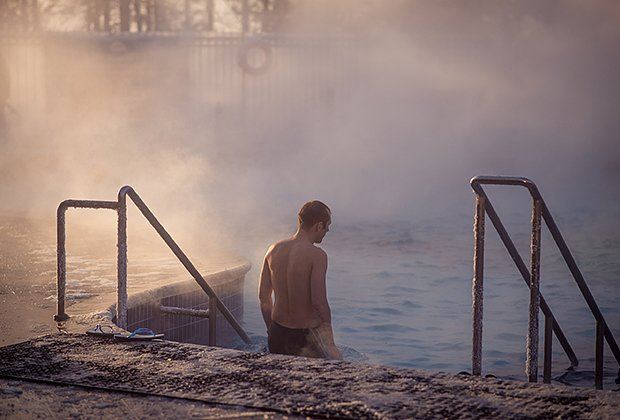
[[302, 235]]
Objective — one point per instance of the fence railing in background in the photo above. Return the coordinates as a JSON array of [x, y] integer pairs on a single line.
[[227, 75], [22, 58], [532, 279], [120, 206], [270, 72]]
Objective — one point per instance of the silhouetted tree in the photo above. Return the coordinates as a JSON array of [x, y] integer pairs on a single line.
[[124, 15], [167, 15], [262, 15], [19, 15]]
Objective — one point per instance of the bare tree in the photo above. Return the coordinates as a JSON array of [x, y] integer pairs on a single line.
[[262, 15], [124, 15], [143, 15], [209, 21], [19, 15]]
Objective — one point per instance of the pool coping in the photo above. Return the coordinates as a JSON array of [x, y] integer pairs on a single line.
[[282, 385]]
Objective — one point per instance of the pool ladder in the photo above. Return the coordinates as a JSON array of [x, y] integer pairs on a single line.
[[532, 279], [120, 206]]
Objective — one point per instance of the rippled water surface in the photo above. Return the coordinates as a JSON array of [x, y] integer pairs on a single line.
[[400, 295], [400, 292]]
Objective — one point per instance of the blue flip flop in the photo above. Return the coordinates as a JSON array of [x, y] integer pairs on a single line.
[[141, 334], [102, 330]]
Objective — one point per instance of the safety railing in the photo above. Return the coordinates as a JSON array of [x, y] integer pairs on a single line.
[[120, 206], [532, 279]]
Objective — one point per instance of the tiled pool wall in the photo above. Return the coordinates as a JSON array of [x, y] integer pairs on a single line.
[[143, 309]]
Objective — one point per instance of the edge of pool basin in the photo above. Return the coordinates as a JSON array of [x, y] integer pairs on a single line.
[[179, 376], [78, 323]]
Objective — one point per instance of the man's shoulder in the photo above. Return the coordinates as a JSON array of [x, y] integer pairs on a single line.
[[300, 249], [319, 252], [280, 244], [278, 247]]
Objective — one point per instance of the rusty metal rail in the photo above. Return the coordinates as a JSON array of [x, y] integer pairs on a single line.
[[121, 307], [532, 279], [60, 245]]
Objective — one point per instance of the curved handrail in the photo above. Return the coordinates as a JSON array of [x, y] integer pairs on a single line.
[[602, 327], [61, 259], [531, 277], [477, 182], [121, 207]]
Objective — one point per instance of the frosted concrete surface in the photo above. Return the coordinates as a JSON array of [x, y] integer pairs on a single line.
[[176, 379]]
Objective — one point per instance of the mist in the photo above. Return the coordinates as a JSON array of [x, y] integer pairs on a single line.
[[389, 126]]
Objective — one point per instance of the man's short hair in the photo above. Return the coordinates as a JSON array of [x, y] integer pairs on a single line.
[[313, 212]]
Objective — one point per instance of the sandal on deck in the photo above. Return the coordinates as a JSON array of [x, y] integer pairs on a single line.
[[106, 331], [141, 334]]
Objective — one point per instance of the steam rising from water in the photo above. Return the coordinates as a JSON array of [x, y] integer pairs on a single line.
[[437, 93], [385, 125]]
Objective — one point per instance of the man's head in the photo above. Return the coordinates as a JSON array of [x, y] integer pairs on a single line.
[[315, 217]]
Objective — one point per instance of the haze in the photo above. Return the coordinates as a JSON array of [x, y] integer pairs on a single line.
[[386, 122]]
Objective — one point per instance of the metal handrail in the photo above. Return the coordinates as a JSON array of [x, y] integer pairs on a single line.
[[539, 210], [121, 307], [60, 245], [122, 253]]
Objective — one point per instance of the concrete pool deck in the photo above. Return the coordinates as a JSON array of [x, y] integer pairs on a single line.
[[62, 375]]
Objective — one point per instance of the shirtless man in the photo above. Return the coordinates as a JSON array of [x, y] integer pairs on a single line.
[[298, 319]]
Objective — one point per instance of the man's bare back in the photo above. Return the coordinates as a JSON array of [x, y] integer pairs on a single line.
[[291, 263], [298, 317]]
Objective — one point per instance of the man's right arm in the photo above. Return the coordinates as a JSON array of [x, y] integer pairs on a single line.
[[265, 290], [320, 304]]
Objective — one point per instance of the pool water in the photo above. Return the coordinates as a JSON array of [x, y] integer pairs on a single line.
[[400, 291], [400, 294]]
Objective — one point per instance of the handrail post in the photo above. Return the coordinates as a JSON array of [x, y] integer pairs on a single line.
[[598, 354], [531, 368], [548, 349], [121, 287], [477, 286], [212, 321], [61, 262]]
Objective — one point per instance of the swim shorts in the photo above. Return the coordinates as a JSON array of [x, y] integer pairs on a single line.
[[295, 342]]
